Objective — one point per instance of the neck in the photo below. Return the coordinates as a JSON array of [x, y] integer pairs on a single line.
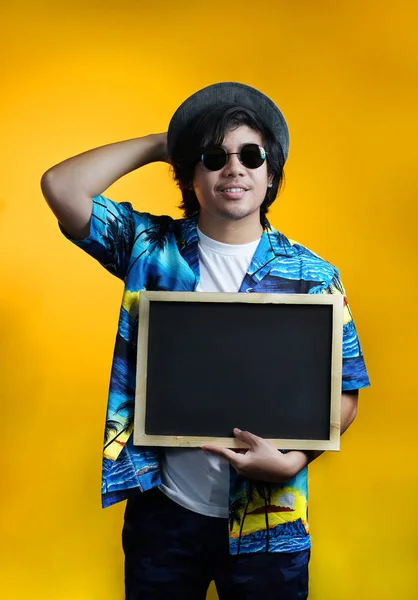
[[229, 231]]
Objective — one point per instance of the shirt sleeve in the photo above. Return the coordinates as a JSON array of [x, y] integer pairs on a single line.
[[113, 229], [354, 372]]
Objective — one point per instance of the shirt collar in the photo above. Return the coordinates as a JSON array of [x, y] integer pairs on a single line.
[[273, 245]]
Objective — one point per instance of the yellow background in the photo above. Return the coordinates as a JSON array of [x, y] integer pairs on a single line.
[[76, 75]]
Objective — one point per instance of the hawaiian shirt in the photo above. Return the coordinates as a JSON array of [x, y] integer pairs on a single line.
[[161, 253]]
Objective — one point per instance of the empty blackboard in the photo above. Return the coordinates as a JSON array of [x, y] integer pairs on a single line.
[[266, 363]]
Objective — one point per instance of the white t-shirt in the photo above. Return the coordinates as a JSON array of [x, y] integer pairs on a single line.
[[194, 478]]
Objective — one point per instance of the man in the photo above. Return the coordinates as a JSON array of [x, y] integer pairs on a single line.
[[227, 144]]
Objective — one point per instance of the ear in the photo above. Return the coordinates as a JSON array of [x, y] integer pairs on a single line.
[[270, 181]]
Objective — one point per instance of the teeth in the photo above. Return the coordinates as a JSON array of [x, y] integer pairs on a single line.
[[234, 190]]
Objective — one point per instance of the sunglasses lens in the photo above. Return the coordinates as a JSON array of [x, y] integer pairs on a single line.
[[214, 159], [252, 156]]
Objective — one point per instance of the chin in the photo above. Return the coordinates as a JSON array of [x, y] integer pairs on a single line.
[[237, 213]]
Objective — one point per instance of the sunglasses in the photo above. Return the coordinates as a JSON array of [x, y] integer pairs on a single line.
[[251, 156]]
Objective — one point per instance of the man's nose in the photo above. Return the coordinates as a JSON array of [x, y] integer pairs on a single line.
[[233, 165]]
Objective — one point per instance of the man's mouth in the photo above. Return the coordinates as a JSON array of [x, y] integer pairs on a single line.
[[233, 192]]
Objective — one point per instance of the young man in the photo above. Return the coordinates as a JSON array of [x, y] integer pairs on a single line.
[[227, 145]]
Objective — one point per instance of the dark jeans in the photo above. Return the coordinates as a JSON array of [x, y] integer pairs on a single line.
[[172, 553]]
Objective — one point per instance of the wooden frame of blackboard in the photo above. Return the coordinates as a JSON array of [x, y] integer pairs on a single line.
[[329, 441]]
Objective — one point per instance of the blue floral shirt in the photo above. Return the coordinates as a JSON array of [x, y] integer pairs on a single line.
[[160, 253]]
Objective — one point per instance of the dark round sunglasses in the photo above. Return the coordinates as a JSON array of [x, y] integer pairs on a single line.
[[251, 156]]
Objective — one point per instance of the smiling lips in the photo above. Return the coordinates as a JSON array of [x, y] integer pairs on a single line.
[[233, 192]]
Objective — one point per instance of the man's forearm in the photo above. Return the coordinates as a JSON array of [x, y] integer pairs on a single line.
[[349, 402], [69, 186], [92, 172]]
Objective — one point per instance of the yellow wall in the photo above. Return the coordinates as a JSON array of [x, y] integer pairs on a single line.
[[83, 74]]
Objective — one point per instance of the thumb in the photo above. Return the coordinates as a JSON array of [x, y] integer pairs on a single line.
[[247, 437]]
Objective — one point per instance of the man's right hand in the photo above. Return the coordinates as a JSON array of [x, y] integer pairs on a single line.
[[70, 186]]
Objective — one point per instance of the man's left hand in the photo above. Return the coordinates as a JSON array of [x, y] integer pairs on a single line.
[[261, 460]]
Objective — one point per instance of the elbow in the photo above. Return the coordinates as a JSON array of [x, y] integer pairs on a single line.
[[47, 185], [57, 191], [349, 409], [353, 414]]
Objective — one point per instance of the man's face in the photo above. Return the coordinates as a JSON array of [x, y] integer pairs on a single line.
[[234, 192]]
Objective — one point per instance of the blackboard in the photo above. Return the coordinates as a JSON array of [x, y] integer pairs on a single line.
[[266, 363]]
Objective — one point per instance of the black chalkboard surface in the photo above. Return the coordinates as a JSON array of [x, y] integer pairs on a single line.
[[266, 363]]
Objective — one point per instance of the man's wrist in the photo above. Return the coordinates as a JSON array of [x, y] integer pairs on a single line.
[[299, 459], [160, 147]]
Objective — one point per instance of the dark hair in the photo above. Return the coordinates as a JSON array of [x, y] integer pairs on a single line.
[[209, 129]]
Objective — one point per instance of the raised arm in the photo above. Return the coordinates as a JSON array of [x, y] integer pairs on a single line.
[[69, 186]]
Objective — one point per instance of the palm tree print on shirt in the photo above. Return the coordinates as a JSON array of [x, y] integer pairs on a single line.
[[156, 238], [113, 426], [259, 494]]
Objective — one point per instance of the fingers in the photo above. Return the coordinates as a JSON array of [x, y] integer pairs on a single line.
[[237, 457], [231, 456], [247, 437]]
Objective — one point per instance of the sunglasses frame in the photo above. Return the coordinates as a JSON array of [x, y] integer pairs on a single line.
[[263, 156]]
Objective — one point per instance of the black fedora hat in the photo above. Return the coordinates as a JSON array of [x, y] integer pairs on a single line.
[[229, 93]]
